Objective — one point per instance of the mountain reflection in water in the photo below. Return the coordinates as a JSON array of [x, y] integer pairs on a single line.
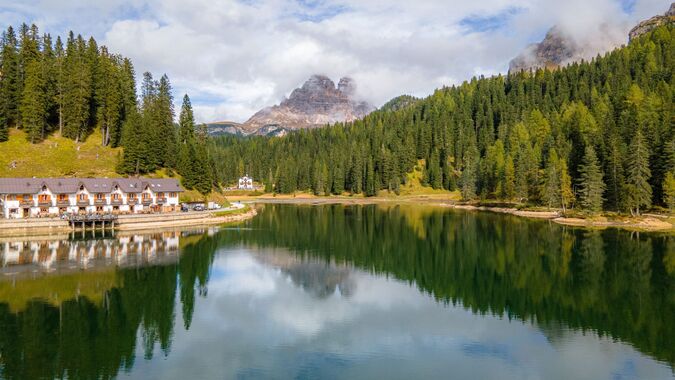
[[342, 292]]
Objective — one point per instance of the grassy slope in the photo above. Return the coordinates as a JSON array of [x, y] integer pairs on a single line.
[[56, 157], [62, 157]]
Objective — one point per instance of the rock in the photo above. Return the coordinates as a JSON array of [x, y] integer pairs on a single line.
[[559, 48], [317, 103], [553, 51], [224, 128], [654, 22]]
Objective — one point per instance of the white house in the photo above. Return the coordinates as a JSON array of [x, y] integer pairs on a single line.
[[245, 183], [34, 197]]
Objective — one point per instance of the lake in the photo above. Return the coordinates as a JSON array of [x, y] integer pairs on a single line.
[[342, 292]]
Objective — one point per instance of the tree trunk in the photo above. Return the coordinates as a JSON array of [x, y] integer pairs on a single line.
[[61, 119]]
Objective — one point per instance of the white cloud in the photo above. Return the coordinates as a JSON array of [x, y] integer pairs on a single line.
[[235, 57]]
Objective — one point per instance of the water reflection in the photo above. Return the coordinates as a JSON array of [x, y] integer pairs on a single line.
[[30, 254], [348, 292]]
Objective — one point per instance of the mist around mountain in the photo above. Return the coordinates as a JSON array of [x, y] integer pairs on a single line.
[[562, 46]]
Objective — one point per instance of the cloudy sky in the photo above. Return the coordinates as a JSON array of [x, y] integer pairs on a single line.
[[234, 57]]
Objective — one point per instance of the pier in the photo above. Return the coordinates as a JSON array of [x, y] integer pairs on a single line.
[[103, 220]]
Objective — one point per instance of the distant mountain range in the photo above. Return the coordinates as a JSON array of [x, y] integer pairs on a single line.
[[558, 48], [317, 103]]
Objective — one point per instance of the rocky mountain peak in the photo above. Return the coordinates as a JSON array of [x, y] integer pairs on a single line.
[[554, 50], [654, 22], [316, 103], [318, 83], [347, 86]]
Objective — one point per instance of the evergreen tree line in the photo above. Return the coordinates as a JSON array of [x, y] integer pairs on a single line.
[[595, 135], [153, 141], [46, 87]]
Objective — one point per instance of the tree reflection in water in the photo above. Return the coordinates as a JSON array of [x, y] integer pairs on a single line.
[[85, 324]]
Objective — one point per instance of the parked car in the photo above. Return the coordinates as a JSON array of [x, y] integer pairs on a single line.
[[198, 208]]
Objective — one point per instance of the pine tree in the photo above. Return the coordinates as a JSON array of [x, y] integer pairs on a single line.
[[469, 175], [10, 94], [509, 189], [109, 99], [34, 102], [165, 116], [370, 189], [552, 186], [638, 173], [133, 157], [669, 191], [566, 193], [76, 89], [186, 121], [591, 185]]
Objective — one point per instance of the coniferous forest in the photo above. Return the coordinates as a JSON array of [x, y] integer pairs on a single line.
[[594, 135], [76, 87]]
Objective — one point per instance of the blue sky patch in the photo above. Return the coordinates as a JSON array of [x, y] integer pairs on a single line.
[[480, 24]]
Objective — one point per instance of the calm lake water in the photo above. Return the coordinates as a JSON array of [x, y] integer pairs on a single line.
[[335, 292]]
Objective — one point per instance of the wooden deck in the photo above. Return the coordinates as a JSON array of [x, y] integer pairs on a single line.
[[104, 220]]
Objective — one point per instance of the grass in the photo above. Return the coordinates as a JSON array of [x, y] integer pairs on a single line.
[[195, 196], [246, 208], [414, 184], [56, 157]]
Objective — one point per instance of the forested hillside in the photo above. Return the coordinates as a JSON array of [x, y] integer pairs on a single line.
[[595, 135], [76, 88]]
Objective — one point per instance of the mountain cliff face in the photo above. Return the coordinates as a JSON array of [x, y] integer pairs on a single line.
[[559, 48], [654, 22], [317, 103], [555, 50]]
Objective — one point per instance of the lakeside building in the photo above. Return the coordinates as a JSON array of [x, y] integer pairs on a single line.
[[37, 197], [246, 183]]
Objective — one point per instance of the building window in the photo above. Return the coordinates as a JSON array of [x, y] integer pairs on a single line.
[[173, 195]]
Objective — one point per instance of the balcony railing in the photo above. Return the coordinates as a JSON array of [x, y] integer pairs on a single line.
[[63, 202], [45, 202], [100, 201], [132, 201], [161, 201], [83, 202], [116, 202], [27, 202], [147, 201]]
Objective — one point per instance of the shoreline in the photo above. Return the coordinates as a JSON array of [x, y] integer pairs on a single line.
[[53, 226], [646, 223]]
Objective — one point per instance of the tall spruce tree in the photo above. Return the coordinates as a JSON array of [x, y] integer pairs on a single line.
[[10, 93], [591, 185], [566, 193], [552, 185], [638, 174], [76, 89], [34, 103]]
